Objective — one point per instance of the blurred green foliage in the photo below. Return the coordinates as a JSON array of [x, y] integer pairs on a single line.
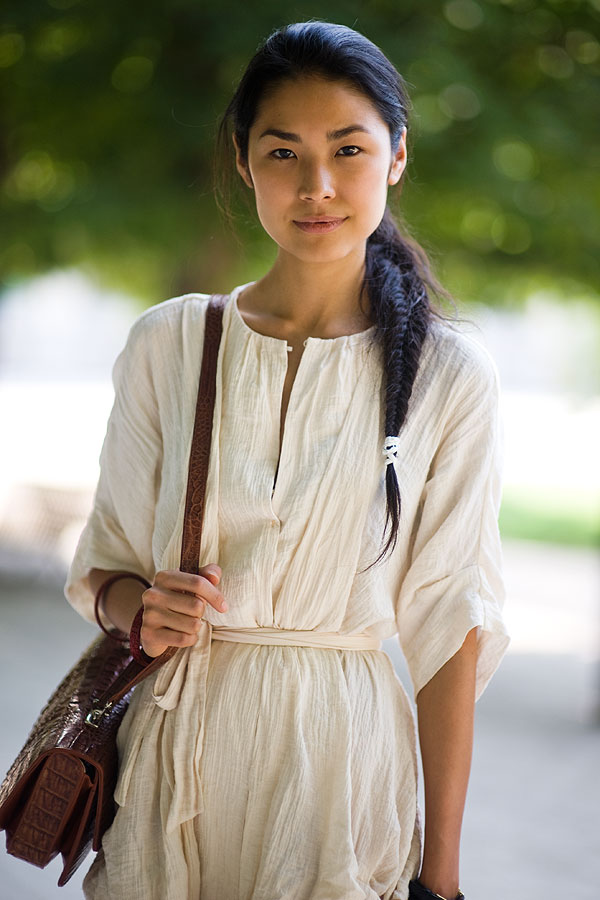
[[550, 515], [109, 112]]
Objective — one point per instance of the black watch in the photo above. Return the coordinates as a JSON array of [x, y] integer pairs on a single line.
[[418, 891]]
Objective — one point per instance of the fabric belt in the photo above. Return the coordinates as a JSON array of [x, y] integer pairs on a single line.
[[179, 695], [290, 637]]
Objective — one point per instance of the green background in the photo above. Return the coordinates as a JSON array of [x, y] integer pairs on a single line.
[[108, 118]]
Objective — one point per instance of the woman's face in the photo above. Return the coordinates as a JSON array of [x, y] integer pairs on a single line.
[[300, 169]]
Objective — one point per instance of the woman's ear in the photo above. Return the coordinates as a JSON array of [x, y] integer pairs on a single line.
[[398, 163], [240, 166]]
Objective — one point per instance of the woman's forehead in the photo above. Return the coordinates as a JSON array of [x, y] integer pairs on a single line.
[[308, 102]]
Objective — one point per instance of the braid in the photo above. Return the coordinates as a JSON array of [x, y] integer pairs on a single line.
[[401, 310]]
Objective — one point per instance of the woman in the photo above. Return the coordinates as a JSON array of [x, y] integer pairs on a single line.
[[353, 493]]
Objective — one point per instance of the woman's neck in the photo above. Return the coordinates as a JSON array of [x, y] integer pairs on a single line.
[[318, 299]]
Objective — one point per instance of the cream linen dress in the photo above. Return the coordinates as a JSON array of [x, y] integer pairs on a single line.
[[277, 757]]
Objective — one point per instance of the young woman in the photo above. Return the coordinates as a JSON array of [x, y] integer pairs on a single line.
[[353, 494]]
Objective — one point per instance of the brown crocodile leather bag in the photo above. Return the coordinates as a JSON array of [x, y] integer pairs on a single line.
[[58, 795]]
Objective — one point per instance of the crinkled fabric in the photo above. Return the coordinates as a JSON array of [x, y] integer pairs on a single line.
[[260, 771]]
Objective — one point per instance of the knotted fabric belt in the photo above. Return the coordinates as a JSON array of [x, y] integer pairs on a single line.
[[290, 637], [180, 694]]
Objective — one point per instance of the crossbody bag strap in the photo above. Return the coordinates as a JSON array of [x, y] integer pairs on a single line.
[[196, 488], [201, 437]]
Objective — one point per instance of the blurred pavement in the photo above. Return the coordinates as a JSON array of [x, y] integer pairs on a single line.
[[532, 822]]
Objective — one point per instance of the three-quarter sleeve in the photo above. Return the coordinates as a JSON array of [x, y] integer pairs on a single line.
[[454, 580], [118, 531]]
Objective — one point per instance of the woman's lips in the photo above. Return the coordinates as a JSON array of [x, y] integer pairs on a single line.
[[319, 227]]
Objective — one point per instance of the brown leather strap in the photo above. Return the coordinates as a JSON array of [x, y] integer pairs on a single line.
[[135, 639], [201, 438], [194, 506], [128, 679]]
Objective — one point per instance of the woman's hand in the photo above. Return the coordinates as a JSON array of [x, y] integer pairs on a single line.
[[174, 606]]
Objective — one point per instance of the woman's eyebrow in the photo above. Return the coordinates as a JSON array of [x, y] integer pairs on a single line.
[[331, 135]]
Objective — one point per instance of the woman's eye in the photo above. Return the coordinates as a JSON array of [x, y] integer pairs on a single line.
[[354, 151]]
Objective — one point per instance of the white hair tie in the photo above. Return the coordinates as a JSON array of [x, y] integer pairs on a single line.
[[390, 449]]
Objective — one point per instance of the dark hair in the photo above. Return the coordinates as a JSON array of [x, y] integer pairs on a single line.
[[398, 274]]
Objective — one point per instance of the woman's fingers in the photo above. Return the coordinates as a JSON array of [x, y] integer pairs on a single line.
[[163, 627], [155, 642], [174, 606], [157, 618], [212, 571], [186, 591]]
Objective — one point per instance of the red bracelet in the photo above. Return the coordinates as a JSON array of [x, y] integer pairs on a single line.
[[101, 595], [135, 640]]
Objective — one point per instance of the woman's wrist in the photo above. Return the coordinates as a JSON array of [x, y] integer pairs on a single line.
[[122, 599], [439, 868], [439, 876], [418, 891]]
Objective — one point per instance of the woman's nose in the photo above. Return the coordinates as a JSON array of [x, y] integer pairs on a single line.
[[316, 183]]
